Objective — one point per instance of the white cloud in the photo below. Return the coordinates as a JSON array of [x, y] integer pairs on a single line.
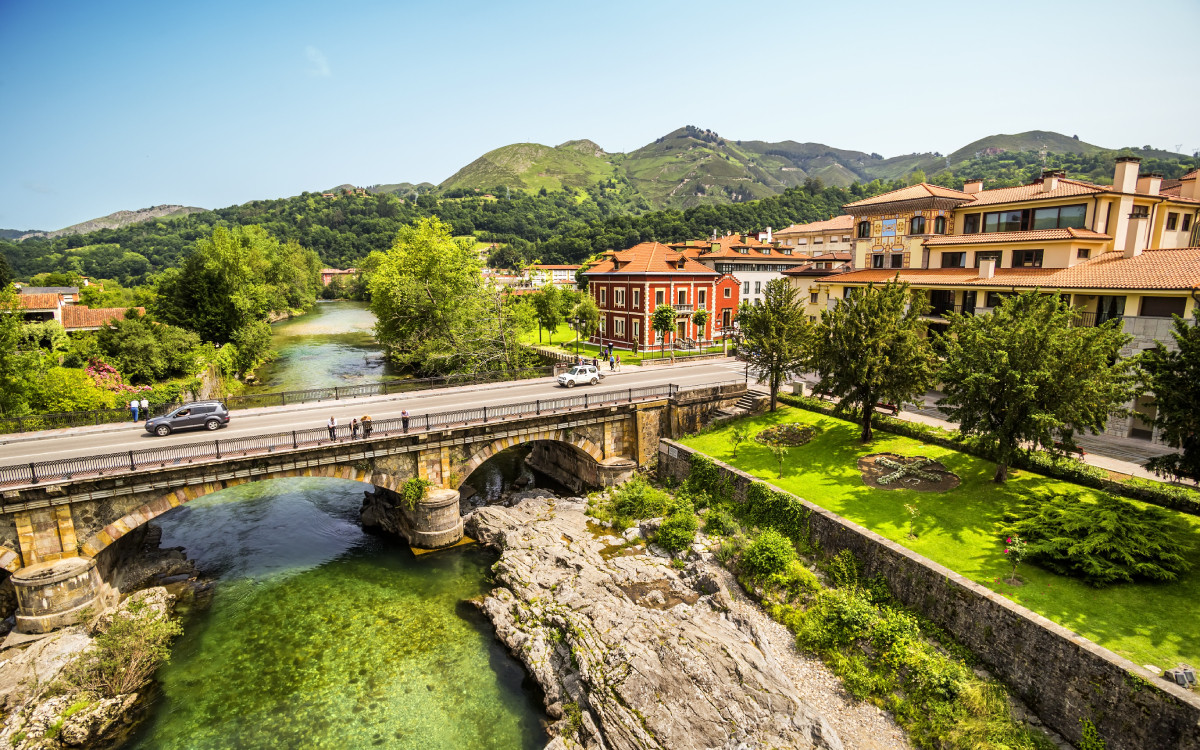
[[320, 64]]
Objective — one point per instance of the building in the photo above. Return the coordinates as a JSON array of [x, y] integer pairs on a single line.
[[542, 274], [833, 235], [40, 307], [1126, 251], [628, 285], [808, 279], [329, 274], [68, 294], [81, 318], [749, 260]]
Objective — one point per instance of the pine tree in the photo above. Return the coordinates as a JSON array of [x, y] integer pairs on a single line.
[[1174, 378]]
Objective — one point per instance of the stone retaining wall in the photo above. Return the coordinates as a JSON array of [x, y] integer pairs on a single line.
[[1062, 676]]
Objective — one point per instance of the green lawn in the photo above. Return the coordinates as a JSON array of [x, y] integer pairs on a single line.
[[961, 529], [564, 339]]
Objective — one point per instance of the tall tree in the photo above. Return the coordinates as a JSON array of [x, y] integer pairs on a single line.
[[585, 317], [1025, 374], [663, 321], [17, 367], [699, 318], [776, 335], [547, 306], [872, 348], [1174, 378]]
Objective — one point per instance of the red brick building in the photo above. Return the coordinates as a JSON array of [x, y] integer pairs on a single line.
[[629, 284]]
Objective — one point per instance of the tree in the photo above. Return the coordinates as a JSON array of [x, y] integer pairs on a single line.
[[699, 318], [872, 348], [17, 366], [1024, 373], [548, 310], [1174, 378], [776, 336], [662, 320], [586, 317], [6, 275]]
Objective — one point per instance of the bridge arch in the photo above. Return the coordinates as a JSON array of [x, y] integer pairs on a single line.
[[478, 457]]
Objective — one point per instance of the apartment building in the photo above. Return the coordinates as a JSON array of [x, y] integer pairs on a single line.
[[628, 285], [809, 280], [749, 260], [1129, 251], [833, 235], [541, 274]]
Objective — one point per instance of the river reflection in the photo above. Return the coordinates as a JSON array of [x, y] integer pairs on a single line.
[[322, 636]]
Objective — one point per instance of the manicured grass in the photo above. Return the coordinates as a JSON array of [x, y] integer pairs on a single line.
[[1149, 623], [564, 339]]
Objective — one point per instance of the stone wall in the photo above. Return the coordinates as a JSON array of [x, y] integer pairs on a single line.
[[1062, 676]]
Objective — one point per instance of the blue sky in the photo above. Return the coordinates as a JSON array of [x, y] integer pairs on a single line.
[[124, 105]]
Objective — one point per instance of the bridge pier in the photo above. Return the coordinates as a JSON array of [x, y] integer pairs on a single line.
[[434, 521], [54, 594]]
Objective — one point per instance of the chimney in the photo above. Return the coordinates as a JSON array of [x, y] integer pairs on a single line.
[[972, 186], [1149, 183], [1125, 176], [1191, 185], [1050, 179], [987, 268], [769, 236], [1135, 237]]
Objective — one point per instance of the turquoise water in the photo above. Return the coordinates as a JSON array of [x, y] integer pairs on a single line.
[[322, 636], [331, 345]]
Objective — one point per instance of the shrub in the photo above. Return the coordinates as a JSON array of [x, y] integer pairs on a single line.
[[779, 510], [414, 491], [770, 553], [637, 499], [719, 521], [1103, 541], [790, 435], [678, 531], [844, 570], [796, 580], [124, 655]]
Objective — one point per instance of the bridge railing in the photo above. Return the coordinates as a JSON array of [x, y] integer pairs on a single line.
[[219, 450], [58, 420]]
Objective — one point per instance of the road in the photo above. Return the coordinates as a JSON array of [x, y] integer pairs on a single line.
[[88, 441]]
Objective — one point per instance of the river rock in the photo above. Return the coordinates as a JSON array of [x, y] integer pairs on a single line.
[[630, 652]]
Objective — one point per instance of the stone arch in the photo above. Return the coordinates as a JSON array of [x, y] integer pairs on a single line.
[[557, 435], [164, 503]]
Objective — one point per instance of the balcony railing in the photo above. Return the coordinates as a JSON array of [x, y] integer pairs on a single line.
[[1093, 319], [940, 311], [685, 309]]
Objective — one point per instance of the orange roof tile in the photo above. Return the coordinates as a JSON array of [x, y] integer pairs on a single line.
[[649, 257], [1190, 175], [39, 301], [913, 192], [1177, 269], [1032, 235], [79, 316], [1066, 189], [730, 246], [845, 222]]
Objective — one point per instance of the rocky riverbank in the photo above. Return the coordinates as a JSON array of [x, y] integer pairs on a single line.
[[43, 709], [633, 652]]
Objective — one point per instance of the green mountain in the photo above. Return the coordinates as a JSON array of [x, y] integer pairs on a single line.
[[116, 220], [693, 166]]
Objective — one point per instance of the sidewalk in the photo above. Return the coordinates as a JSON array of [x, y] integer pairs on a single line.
[[22, 437]]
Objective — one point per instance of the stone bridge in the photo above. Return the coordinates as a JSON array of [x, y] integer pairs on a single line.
[[55, 534]]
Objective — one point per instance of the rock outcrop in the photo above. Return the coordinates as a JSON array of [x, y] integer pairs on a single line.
[[630, 652]]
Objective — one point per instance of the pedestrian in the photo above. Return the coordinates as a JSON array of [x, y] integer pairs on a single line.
[[133, 409], [366, 424], [404, 419], [332, 425], [618, 363], [145, 409], [354, 428], [596, 363], [612, 363]]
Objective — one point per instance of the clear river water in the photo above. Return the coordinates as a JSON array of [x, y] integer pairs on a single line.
[[320, 635]]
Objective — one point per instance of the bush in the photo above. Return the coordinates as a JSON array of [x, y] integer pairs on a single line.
[[125, 654], [779, 510], [678, 531], [719, 521], [637, 499], [770, 553], [844, 570], [796, 580], [1104, 541]]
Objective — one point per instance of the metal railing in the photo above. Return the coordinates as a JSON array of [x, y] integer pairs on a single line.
[[222, 450], [35, 422]]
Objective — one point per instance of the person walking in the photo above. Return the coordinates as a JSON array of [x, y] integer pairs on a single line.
[[133, 409], [332, 425], [618, 363], [404, 419], [612, 363], [145, 409], [366, 424], [354, 428]]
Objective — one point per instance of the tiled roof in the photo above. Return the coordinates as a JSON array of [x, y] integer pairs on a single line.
[[1032, 235], [1177, 269], [79, 316], [338, 270], [50, 290], [552, 267], [845, 222], [912, 193], [1190, 175], [730, 247], [40, 301], [810, 269], [1066, 189], [649, 257]]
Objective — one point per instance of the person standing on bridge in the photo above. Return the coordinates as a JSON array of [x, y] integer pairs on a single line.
[[354, 428], [133, 409], [144, 409], [366, 423], [332, 425], [404, 419]]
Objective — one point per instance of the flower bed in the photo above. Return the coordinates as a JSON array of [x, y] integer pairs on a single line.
[[788, 435]]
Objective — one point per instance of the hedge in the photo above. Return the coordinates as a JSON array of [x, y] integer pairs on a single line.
[[1068, 469]]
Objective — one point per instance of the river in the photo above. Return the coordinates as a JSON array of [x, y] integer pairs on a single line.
[[319, 634]]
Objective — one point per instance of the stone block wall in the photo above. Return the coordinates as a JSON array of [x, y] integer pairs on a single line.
[[1062, 676]]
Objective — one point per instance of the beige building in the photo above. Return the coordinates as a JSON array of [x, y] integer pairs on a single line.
[[810, 280], [818, 237], [1129, 251]]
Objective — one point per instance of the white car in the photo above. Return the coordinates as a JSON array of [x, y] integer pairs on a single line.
[[580, 374]]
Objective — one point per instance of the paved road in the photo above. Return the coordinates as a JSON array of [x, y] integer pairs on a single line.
[[87, 441]]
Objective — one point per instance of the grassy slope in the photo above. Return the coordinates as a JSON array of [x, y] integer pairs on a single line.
[[533, 166], [961, 529]]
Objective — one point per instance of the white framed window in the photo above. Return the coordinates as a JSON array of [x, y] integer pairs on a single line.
[[681, 297], [758, 287], [619, 296], [603, 296], [728, 292], [637, 330], [745, 288], [637, 299], [659, 296], [701, 297], [619, 327]]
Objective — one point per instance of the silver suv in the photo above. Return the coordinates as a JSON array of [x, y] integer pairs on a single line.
[[580, 374], [207, 414]]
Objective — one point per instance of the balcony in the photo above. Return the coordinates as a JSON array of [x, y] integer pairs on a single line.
[[940, 310], [1093, 319], [684, 309]]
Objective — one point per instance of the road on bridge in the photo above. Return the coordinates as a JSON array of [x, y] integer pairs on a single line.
[[86, 442]]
